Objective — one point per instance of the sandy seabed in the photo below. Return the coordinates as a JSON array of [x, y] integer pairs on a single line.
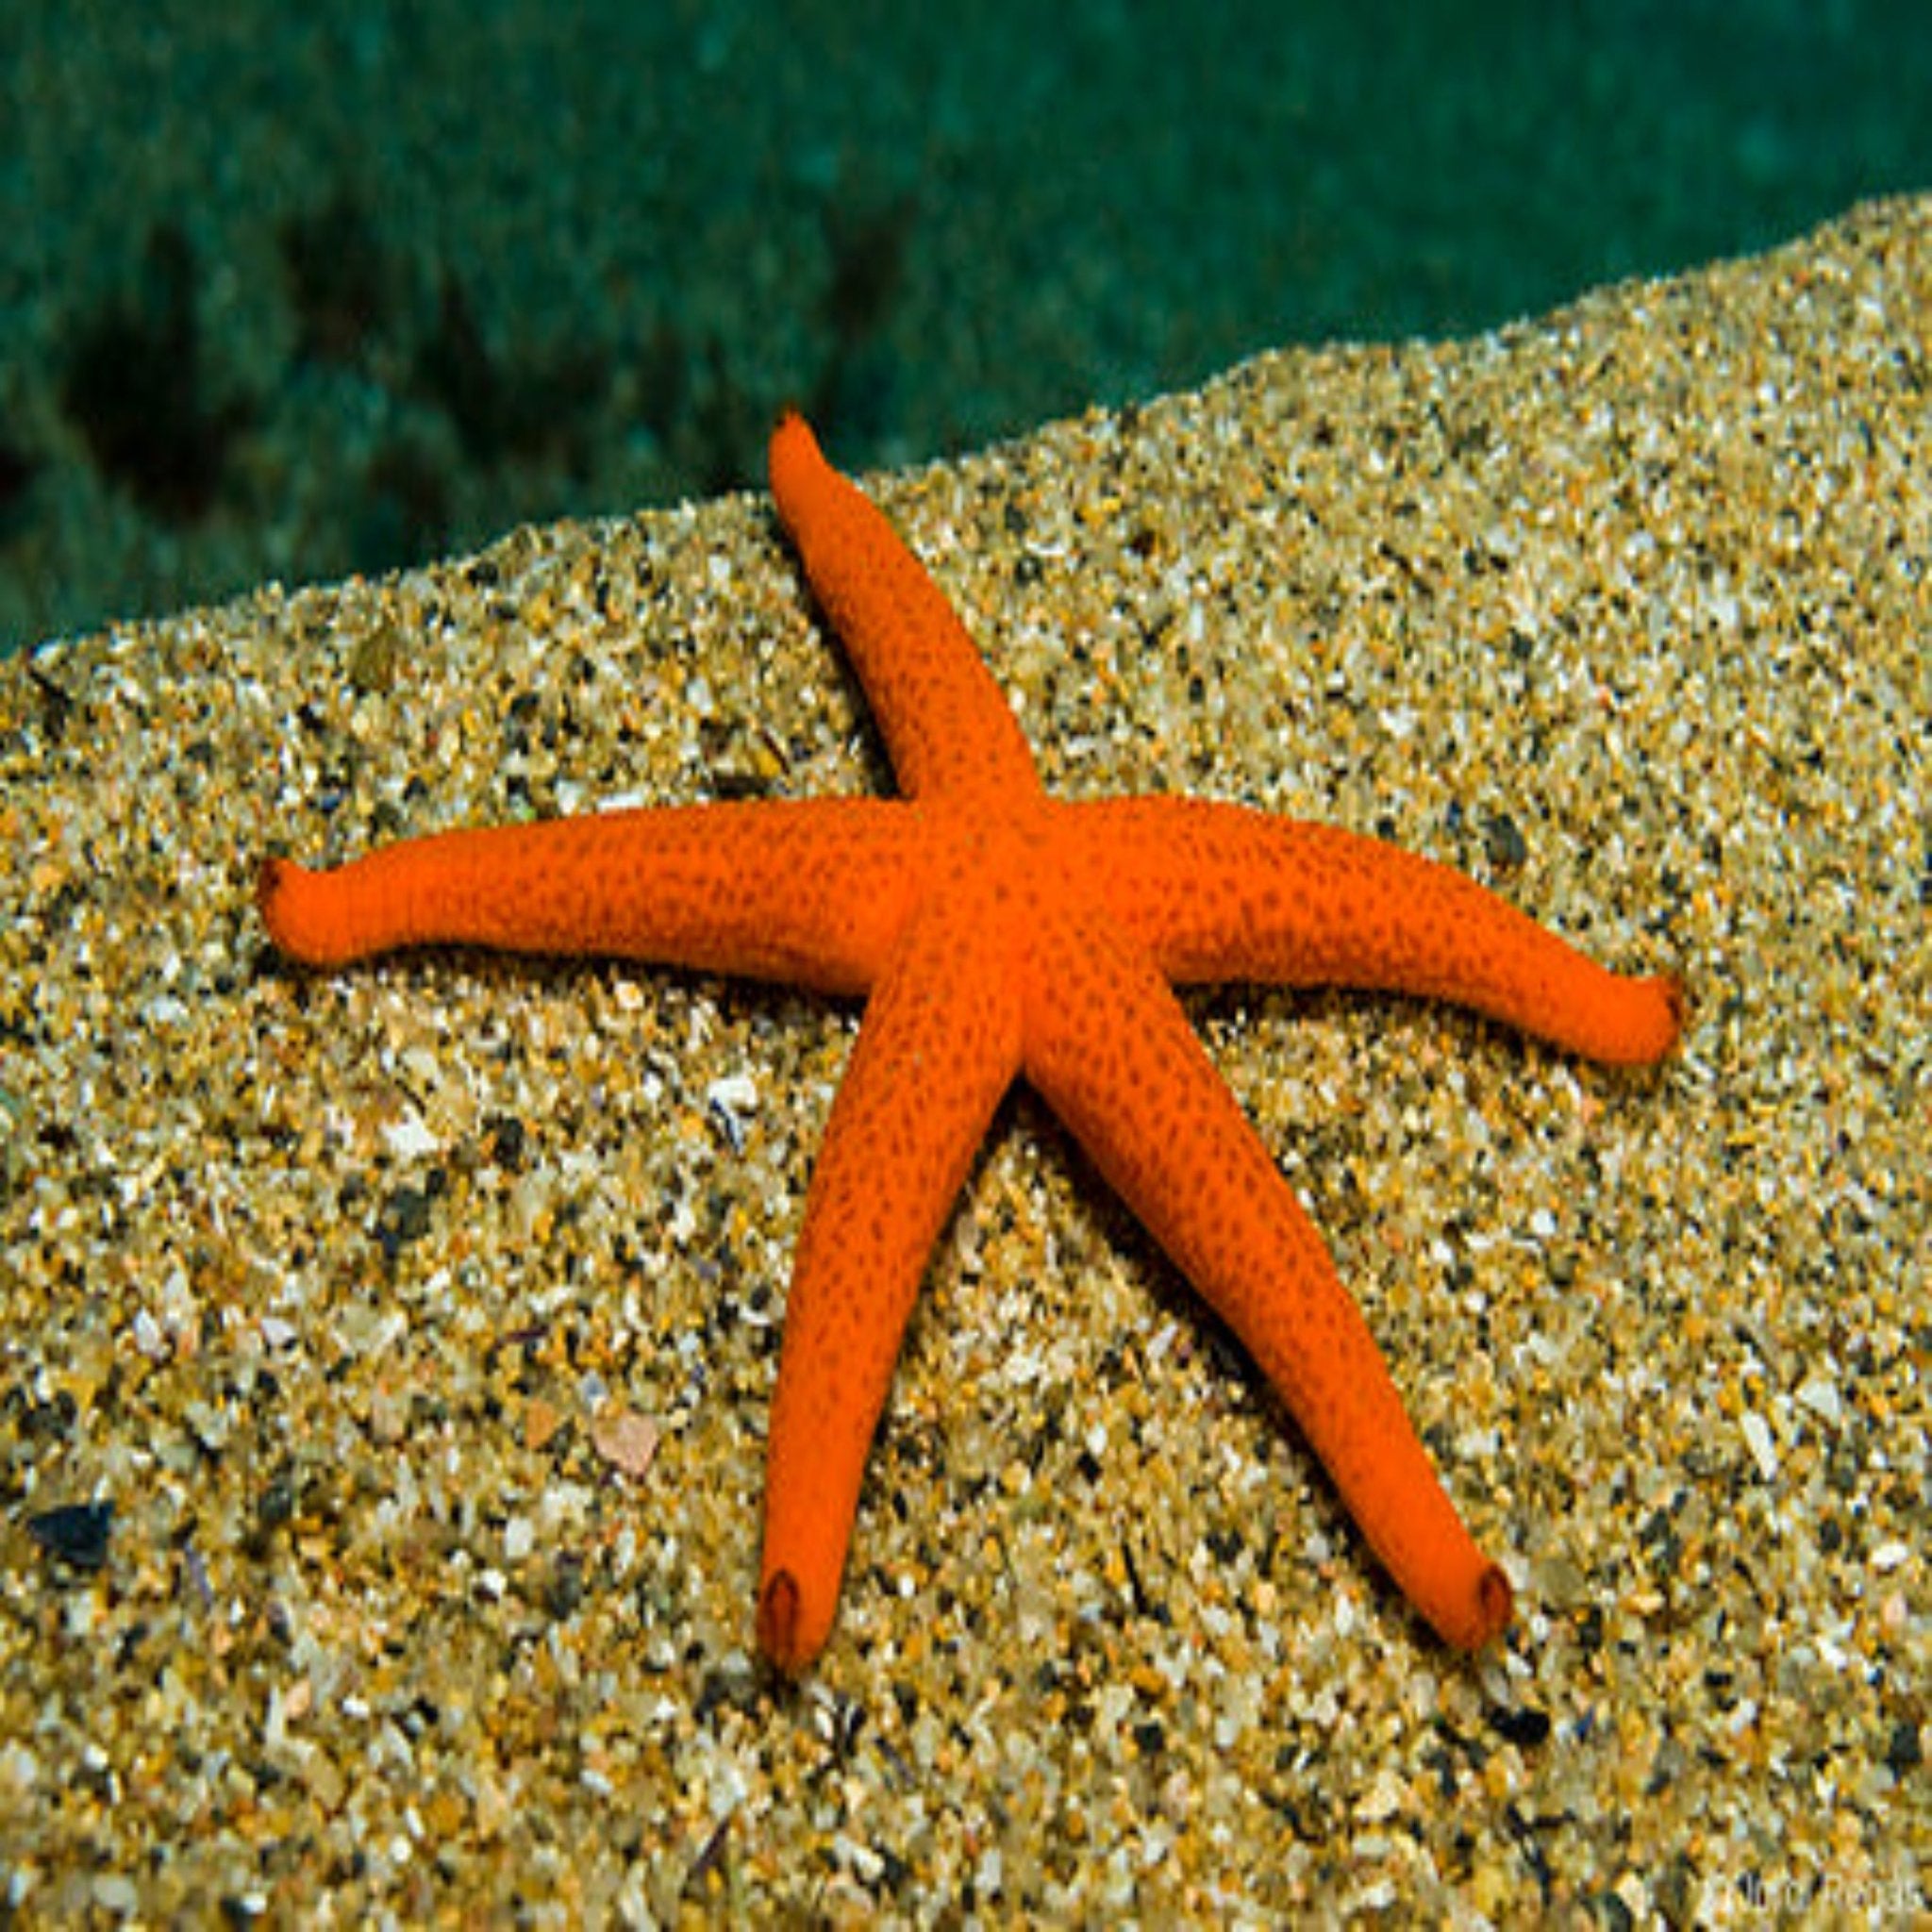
[[414, 1327]]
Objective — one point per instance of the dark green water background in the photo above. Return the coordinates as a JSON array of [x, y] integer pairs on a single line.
[[297, 292]]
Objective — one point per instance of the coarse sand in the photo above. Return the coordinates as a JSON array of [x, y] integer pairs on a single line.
[[414, 1327]]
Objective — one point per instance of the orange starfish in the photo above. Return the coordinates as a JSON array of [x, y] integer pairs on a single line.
[[998, 932]]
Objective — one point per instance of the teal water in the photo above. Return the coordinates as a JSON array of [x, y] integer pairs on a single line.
[[295, 293]]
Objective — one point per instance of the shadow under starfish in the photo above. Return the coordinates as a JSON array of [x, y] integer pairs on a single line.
[[997, 932]]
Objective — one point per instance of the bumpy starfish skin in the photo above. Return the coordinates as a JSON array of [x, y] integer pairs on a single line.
[[997, 932]]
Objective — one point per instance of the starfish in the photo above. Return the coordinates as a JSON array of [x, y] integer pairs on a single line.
[[997, 932]]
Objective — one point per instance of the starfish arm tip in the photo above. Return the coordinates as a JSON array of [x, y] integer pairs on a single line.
[[1464, 1596], [310, 918], [1635, 1020], [1470, 1613], [1655, 1028], [1495, 1604], [793, 444], [782, 1637], [274, 880]]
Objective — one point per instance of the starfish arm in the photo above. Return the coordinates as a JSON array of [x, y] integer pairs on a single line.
[[946, 724], [812, 892], [939, 1046], [1221, 891], [1111, 1052]]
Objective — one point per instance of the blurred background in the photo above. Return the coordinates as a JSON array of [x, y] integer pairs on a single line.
[[294, 293]]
